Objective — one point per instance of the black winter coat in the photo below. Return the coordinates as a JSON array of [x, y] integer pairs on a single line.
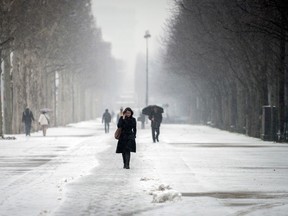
[[127, 141], [157, 119], [27, 117]]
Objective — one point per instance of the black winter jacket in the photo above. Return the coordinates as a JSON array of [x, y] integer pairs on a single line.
[[157, 116], [27, 117]]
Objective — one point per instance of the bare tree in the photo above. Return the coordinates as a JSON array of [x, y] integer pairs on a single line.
[[230, 50], [56, 60]]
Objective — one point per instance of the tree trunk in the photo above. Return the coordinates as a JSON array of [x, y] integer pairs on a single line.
[[281, 88], [1, 117], [8, 95]]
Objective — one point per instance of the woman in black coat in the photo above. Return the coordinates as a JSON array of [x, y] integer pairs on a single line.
[[126, 143]]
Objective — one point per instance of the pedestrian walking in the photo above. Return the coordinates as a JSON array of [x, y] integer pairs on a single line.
[[142, 119], [44, 121], [120, 114], [106, 119], [156, 119], [27, 118], [126, 143], [112, 115]]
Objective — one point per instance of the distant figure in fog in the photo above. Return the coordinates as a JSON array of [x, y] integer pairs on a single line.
[[106, 118], [112, 115], [44, 122], [27, 118], [141, 118], [156, 119], [120, 114], [127, 143]]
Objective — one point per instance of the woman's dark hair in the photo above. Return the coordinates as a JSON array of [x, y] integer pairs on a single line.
[[128, 109]]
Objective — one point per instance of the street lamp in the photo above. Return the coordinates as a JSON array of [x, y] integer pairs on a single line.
[[147, 36]]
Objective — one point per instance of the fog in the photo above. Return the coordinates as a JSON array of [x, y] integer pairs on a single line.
[[217, 68], [220, 63], [124, 26]]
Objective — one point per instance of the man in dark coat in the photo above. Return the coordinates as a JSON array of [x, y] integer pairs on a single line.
[[106, 118], [156, 119], [127, 143], [27, 118]]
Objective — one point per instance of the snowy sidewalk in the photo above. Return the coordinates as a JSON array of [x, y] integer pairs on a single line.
[[75, 171]]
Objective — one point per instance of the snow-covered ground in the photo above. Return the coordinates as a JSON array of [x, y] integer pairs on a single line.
[[194, 170]]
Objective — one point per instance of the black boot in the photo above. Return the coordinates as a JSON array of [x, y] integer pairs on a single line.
[[127, 160], [124, 160]]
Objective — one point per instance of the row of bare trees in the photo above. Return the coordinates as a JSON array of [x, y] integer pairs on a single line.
[[52, 56], [234, 54]]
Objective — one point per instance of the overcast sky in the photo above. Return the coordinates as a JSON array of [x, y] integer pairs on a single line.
[[124, 22]]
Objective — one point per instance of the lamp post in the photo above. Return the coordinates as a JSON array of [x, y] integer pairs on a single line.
[[147, 36]]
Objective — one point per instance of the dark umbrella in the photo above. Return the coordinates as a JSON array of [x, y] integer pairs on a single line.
[[149, 109], [45, 110]]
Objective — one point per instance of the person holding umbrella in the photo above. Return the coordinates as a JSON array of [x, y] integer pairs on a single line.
[[156, 119], [126, 143]]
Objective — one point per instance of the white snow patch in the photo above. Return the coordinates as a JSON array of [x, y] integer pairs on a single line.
[[146, 179], [165, 193], [164, 187]]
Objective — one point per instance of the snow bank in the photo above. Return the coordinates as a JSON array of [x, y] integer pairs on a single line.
[[165, 193]]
